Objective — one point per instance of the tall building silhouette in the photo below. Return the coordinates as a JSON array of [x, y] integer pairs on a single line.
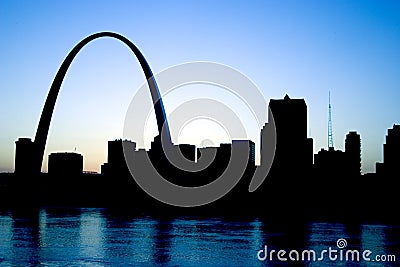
[[391, 150], [264, 146], [294, 151], [24, 156], [391, 153], [353, 153]]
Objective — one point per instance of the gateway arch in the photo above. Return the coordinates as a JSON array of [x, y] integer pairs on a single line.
[[45, 119]]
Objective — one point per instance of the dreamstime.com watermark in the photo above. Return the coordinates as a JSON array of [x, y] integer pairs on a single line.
[[331, 254]]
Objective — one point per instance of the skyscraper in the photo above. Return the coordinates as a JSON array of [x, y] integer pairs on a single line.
[[24, 156], [391, 151], [294, 151], [353, 153]]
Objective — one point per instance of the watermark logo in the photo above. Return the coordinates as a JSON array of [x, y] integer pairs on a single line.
[[210, 109], [341, 243], [331, 254]]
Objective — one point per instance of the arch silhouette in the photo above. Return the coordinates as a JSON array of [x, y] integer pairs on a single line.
[[47, 112]]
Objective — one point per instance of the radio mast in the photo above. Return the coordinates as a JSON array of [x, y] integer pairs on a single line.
[[330, 135]]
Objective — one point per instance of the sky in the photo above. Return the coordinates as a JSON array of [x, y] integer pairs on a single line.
[[301, 48]]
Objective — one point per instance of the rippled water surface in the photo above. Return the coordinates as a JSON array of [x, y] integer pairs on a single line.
[[99, 237]]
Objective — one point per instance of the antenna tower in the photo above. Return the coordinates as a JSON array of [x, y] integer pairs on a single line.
[[330, 135]]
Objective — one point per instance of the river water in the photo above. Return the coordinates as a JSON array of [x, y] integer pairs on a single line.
[[101, 237]]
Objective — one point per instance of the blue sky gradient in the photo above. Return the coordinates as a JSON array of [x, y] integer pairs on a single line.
[[303, 48]]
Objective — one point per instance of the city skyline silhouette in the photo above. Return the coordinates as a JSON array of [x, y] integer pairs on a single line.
[[199, 133], [286, 111], [300, 53], [292, 157], [285, 161], [291, 173]]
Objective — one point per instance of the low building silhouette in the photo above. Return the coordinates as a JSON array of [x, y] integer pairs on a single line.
[[116, 164], [339, 164], [188, 151], [331, 163], [65, 164]]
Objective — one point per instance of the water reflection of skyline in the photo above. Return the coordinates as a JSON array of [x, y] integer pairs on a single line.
[[100, 237]]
